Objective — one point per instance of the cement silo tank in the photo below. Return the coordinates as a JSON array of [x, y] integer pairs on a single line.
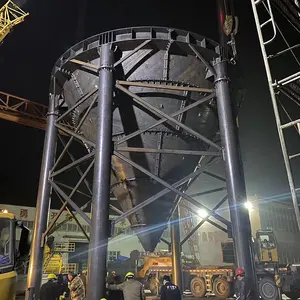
[[165, 57]]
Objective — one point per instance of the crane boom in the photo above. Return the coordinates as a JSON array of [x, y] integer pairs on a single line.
[[22, 111], [10, 16]]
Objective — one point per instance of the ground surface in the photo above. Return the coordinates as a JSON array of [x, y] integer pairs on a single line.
[[185, 298]]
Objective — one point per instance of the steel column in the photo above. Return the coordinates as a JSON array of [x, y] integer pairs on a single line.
[[233, 167], [176, 250], [101, 180], [42, 206], [236, 189]]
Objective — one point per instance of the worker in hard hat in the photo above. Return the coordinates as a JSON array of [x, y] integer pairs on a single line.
[[243, 286], [169, 291], [132, 289], [50, 290]]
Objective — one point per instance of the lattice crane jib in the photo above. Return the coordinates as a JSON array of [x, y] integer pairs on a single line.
[[10, 16]]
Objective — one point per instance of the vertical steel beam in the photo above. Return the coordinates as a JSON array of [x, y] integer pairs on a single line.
[[101, 180], [176, 250], [233, 167], [42, 205], [231, 154]]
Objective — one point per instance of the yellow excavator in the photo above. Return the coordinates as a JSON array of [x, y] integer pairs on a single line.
[[10, 256]]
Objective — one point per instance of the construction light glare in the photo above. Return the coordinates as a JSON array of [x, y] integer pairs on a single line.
[[248, 205], [202, 213]]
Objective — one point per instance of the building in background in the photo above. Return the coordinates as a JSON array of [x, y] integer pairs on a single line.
[[213, 246]]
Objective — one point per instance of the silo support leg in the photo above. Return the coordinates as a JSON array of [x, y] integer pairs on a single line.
[[42, 206], [101, 180], [234, 171], [176, 250]]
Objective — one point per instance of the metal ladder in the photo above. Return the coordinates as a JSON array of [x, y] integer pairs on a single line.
[[277, 88]]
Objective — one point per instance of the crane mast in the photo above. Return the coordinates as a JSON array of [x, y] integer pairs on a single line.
[[10, 16]]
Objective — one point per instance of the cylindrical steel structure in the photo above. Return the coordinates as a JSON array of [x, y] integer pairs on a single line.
[[167, 68], [42, 206], [176, 250], [234, 172], [101, 179]]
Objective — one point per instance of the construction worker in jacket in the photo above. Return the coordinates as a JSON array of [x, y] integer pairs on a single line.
[[243, 286], [50, 290], [132, 289], [169, 291]]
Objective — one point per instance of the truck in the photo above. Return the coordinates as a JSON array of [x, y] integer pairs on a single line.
[[273, 278]]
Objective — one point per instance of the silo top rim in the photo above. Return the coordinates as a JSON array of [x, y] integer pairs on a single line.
[[131, 34]]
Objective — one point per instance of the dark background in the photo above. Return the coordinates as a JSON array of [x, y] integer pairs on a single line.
[[29, 53]]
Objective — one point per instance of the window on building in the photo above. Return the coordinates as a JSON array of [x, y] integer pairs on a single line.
[[113, 255], [210, 237], [30, 224], [204, 237]]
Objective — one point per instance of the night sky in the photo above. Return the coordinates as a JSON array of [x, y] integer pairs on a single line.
[[29, 53]]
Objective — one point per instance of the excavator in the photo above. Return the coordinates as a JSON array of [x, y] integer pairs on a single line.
[[10, 256]]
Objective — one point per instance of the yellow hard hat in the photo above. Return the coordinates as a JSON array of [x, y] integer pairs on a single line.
[[51, 276], [129, 274]]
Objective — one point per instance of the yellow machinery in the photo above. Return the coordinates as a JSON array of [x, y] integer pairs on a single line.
[[266, 247], [53, 262], [151, 261], [10, 16], [8, 254]]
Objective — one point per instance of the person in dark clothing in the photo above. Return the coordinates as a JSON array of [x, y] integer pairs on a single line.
[[50, 290], [62, 285], [169, 291], [115, 294], [111, 277], [243, 286]]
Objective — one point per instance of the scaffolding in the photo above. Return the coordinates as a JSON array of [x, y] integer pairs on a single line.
[[269, 17]]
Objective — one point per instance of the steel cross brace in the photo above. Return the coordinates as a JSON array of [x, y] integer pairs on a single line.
[[160, 114], [206, 220], [172, 188], [158, 195], [161, 121]]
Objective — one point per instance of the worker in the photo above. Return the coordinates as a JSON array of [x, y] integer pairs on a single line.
[[169, 291], [115, 294], [243, 286], [132, 289], [62, 285], [50, 290], [111, 277], [76, 287]]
